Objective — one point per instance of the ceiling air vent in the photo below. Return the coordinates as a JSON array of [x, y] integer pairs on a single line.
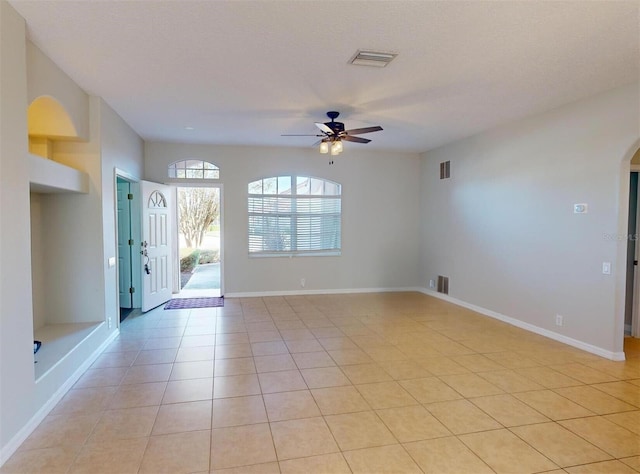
[[372, 58]]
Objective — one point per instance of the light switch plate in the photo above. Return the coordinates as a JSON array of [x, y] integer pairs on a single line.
[[606, 268], [112, 262]]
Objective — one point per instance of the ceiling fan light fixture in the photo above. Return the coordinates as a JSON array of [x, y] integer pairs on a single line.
[[335, 148], [372, 58], [324, 147], [339, 146]]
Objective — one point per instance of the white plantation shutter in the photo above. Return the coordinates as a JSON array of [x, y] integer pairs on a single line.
[[294, 220]]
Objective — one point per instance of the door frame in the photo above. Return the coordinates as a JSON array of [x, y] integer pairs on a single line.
[[197, 184], [136, 234], [635, 313]]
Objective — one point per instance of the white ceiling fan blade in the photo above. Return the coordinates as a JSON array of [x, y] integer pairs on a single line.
[[324, 128]]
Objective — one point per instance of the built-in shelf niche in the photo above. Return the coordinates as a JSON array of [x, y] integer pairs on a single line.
[[60, 334]]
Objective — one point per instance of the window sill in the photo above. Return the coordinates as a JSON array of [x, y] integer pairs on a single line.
[[328, 253]]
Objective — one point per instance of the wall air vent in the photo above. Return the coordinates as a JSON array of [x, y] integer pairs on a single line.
[[445, 170], [372, 58], [443, 284]]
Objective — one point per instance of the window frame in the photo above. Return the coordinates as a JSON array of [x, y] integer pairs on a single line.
[[203, 168], [294, 196]]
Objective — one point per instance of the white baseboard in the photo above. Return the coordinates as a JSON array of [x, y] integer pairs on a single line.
[[617, 356], [7, 451], [303, 292]]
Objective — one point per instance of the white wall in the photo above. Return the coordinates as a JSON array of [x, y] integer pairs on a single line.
[[16, 323], [502, 228], [380, 212], [45, 78]]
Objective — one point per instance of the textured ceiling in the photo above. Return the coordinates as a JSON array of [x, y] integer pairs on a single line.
[[245, 72]]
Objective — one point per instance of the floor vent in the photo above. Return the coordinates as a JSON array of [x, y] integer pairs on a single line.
[[445, 170], [443, 284]]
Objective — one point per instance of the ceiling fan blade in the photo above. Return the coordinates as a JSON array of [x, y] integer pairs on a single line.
[[349, 138], [298, 135], [359, 131], [316, 144], [324, 128]]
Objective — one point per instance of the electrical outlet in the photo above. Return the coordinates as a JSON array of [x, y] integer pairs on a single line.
[[432, 283], [606, 268], [303, 282], [559, 320]]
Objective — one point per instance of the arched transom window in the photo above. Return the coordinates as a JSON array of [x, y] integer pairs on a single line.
[[294, 215], [193, 169]]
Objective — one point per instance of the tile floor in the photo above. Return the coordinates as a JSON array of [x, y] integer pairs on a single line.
[[396, 382]]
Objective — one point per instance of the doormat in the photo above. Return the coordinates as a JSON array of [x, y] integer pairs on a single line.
[[192, 303]]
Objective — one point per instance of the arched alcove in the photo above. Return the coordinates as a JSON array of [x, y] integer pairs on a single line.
[[48, 120]]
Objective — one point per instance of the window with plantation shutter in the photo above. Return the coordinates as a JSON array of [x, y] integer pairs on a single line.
[[294, 215]]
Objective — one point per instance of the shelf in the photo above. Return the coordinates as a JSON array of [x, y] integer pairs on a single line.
[[59, 340], [47, 176]]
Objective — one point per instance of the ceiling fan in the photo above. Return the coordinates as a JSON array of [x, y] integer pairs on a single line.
[[332, 133]]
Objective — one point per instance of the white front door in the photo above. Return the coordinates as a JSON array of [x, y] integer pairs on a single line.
[[156, 245]]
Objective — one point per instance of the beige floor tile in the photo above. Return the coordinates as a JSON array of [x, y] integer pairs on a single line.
[[512, 360], [147, 373], [366, 373], [611, 438], [412, 423], [359, 430], [302, 438], [85, 400], [547, 377], [510, 381], [191, 390], [238, 411], [233, 351], [442, 366], [608, 467], [560, 445], [264, 468], [269, 348], [303, 345], [232, 338], [138, 395], [625, 391], [41, 461], [241, 446], [236, 386], [470, 385], [274, 363], [115, 359], [386, 395], [552, 405], [462, 416], [321, 377], [124, 423], [446, 456], [404, 369], [290, 405], [162, 343], [629, 420], [311, 360], [156, 356], [337, 343], [61, 430], [196, 341], [110, 376], [265, 336], [583, 373], [239, 366], [200, 369], [594, 400], [177, 453], [178, 417], [477, 363], [111, 457], [506, 453], [633, 462], [323, 464], [429, 390], [192, 354], [381, 459], [349, 356], [508, 410], [381, 354], [285, 381], [298, 334], [338, 400]]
